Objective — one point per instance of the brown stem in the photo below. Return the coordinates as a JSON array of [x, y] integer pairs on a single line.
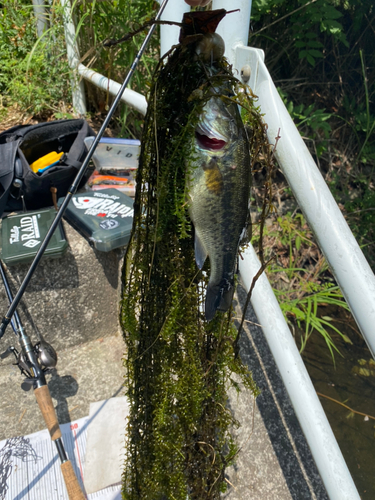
[[345, 406]]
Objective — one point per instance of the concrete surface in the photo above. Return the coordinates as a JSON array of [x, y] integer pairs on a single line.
[[74, 303], [84, 374], [72, 299], [275, 462]]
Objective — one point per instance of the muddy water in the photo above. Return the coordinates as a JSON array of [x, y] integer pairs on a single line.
[[352, 382]]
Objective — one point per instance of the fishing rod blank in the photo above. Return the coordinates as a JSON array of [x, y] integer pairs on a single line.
[[78, 178], [15, 320], [31, 367]]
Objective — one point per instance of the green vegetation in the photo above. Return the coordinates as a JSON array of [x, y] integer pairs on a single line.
[[330, 96], [97, 22], [33, 72], [179, 366]]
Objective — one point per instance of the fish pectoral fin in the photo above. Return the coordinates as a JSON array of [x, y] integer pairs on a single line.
[[200, 252], [213, 177]]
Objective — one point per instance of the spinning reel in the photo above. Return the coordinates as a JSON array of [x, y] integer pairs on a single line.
[[34, 361], [43, 353]]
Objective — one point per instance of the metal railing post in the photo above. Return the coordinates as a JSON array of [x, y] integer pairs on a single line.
[[313, 421], [41, 16], [346, 260], [174, 11], [134, 99], [78, 88]]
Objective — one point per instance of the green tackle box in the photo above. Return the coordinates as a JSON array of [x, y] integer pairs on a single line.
[[104, 218], [23, 233]]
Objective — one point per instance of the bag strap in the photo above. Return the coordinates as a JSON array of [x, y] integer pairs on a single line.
[[7, 159], [77, 148], [12, 134]]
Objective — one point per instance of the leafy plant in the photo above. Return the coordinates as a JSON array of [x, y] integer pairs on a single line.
[[357, 199], [34, 72], [304, 311], [311, 122], [300, 278], [306, 21], [97, 22], [367, 124]]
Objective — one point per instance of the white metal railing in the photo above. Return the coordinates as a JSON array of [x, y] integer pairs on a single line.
[[134, 99], [345, 258], [343, 254], [78, 89], [41, 16]]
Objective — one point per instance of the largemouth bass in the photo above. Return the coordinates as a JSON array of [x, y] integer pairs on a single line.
[[219, 191]]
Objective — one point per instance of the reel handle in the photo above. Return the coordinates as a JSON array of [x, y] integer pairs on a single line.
[[45, 403]]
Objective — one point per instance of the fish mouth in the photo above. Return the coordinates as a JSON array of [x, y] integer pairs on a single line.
[[211, 143]]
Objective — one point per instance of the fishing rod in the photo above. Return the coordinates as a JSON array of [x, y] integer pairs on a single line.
[[73, 188], [34, 361]]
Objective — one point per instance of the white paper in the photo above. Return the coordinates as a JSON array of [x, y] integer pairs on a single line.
[[30, 466], [105, 450]]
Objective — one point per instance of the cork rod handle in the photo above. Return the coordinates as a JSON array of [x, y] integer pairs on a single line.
[[71, 482], [45, 403], [44, 400]]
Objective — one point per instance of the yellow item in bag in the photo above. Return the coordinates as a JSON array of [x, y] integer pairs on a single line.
[[45, 161]]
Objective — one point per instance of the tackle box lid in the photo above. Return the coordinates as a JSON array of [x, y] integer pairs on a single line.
[[114, 153], [104, 218], [23, 233]]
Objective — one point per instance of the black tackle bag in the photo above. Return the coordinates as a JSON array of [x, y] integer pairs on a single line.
[[22, 145]]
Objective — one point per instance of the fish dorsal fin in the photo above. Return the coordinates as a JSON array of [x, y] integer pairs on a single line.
[[200, 251]]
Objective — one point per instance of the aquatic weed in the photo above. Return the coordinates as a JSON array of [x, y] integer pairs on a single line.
[[178, 365]]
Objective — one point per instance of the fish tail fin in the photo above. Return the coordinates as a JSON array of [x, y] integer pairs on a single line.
[[213, 298], [218, 298], [226, 300]]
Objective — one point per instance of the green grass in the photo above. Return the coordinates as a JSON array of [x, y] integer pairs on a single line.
[[300, 279]]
